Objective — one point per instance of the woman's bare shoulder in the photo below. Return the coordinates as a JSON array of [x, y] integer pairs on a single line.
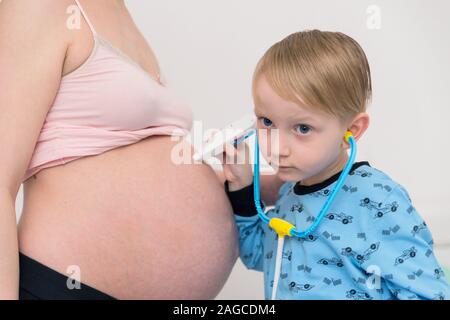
[[48, 17], [43, 5]]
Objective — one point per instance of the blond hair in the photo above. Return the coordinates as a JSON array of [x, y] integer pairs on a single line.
[[325, 70]]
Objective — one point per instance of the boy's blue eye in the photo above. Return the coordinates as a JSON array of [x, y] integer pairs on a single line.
[[266, 122], [303, 129]]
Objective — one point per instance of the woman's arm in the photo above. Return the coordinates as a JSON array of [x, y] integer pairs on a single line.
[[32, 52]]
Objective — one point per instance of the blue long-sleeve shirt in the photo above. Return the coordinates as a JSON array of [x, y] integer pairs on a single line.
[[372, 243]]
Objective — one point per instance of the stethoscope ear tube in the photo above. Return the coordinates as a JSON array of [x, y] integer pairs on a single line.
[[256, 192]]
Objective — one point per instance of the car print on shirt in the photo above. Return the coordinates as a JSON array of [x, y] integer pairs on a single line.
[[407, 254], [438, 273], [381, 211], [309, 238], [333, 262], [360, 258], [417, 228], [296, 287], [321, 193], [361, 173], [370, 204], [358, 295], [342, 217]]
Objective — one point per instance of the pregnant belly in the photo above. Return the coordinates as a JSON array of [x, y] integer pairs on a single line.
[[132, 223]]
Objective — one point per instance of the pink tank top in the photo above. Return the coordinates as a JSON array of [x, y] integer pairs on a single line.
[[107, 102]]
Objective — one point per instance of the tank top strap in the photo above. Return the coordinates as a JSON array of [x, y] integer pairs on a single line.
[[86, 17]]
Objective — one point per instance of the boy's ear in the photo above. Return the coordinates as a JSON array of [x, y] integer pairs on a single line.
[[358, 125]]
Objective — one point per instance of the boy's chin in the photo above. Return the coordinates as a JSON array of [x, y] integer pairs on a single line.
[[288, 175]]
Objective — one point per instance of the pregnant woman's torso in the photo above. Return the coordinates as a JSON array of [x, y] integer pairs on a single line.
[[132, 221]]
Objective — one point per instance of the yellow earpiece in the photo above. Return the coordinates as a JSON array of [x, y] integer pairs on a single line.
[[348, 135], [281, 227]]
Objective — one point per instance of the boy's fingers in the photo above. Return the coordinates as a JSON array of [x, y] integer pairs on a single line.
[[229, 150], [220, 157], [227, 153], [243, 152], [243, 148], [234, 155]]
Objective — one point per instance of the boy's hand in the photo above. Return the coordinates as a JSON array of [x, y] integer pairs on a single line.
[[236, 165]]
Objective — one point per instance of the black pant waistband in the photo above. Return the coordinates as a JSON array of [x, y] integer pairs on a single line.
[[37, 281]]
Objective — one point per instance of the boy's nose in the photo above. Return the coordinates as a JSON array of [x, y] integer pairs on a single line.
[[283, 147], [284, 151]]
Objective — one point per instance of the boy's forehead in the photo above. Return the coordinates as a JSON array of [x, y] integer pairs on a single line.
[[267, 100]]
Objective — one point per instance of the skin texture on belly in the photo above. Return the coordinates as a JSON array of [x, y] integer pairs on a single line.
[[137, 225]]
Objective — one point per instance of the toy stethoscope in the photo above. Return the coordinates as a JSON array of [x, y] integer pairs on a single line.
[[284, 228]]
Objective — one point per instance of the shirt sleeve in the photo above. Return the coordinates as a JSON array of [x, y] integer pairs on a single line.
[[400, 250], [250, 226]]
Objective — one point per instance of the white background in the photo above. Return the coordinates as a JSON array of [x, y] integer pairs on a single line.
[[208, 49]]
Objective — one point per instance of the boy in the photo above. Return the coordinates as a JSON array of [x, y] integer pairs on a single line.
[[312, 87]]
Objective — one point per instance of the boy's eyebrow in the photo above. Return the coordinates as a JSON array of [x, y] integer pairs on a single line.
[[259, 112], [294, 119], [303, 118]]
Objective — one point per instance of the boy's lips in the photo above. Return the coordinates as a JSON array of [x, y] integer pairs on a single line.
[[284, 167], [281, 166]]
